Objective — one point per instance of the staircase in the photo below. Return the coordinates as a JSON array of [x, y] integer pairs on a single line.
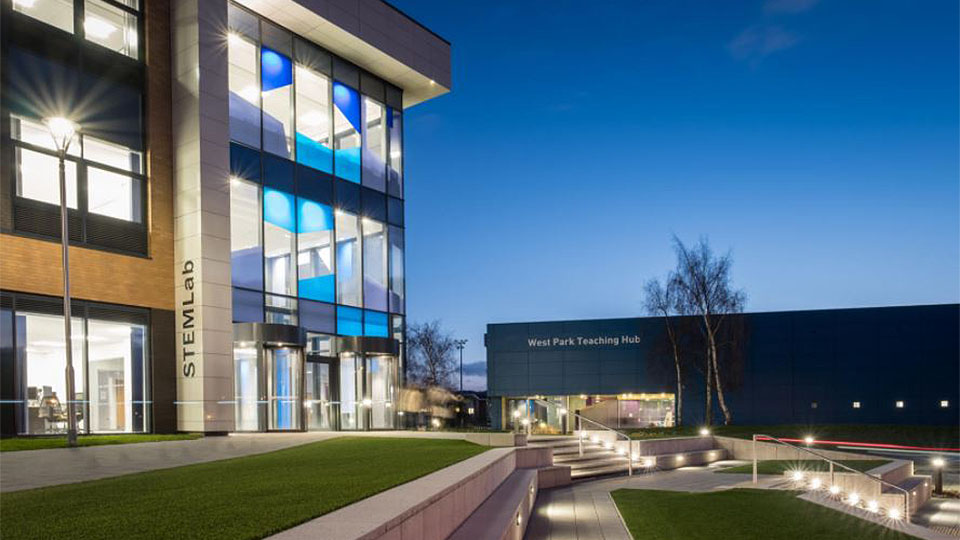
[[596, 460]]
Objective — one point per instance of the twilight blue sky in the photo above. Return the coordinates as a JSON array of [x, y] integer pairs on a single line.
[[816, 139]]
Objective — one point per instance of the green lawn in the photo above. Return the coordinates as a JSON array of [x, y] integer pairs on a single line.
[[933, 436], [780, 466], [738, 514], [248, 497], [17, 444]]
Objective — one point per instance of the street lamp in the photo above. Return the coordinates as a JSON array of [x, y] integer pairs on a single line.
[[460, 343], [62, 130]]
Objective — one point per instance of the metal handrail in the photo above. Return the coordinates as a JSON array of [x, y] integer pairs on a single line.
[[906, 493], [607, 428]]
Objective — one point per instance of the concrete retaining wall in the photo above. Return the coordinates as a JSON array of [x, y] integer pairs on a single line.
[[743, 449], [496, 439]]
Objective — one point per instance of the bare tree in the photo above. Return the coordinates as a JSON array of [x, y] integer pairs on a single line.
[[663, 301], [704, 286], [430, 349]]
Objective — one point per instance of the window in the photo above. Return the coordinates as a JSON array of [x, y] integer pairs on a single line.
[[374, 265], [110, 384], [111, 26], [280, 310], [244, 86], [114, 173], [44, 357], [276, 80], [246, 253], [944, 404], [318, 316], [314, 147], [247, 305], [395, 171], [346, 132], [278, 242], [813, 404], [899, 404], [348, 256], [114, 195], [856, 404], [374, 145], [38, 177], [396, 270], [315, 255], [115, 375], [57, 13]]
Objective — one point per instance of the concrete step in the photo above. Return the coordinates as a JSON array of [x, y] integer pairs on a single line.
[[613, 468], [590, 462], [497, 516], [565, 454]]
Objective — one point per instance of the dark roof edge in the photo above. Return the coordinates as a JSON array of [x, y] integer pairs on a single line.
[[416, 22], [744, 313]]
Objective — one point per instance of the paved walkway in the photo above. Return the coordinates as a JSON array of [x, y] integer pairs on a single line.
[[40, 468], [585, 510]]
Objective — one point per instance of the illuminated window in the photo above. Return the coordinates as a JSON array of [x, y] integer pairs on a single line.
[[279, 224], [58, 13], [349, 259], [899, 404], [374, 265], [856, 404], [395, 156], [944, 404], [315, 251], [276, 83], [396, 270], [244, 84], [314, 147], [346, 132], [374, 145], [246, 252], [114, 195], [111, 26]]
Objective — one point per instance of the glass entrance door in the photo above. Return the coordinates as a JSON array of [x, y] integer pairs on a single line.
[[284, 367], [319, 395]]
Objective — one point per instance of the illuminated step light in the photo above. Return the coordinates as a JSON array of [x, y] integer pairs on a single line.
[[649, 462], [621, 451], [834, 490], [797, 476], [680, 459], [873, 506], [854, 499], [816, 483], [893, 513], [98, 28]]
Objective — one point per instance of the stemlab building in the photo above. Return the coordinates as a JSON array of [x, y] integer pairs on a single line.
[[891, 365], [236, 211]]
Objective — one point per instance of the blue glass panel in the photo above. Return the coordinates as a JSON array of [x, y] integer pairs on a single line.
[[347, 101], [349, 321], [345, 263], [247, 306], [375, 324], [321, 288], [275, 70], [347, 164], [314, 217], [314, 154], [278, 209]]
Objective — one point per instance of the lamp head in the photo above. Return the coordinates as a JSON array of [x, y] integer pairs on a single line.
[[62, 130]]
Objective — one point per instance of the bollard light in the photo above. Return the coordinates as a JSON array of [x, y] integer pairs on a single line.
[[704, 432]]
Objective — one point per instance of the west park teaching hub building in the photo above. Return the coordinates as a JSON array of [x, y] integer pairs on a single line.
[[236, 211], [890, 365]]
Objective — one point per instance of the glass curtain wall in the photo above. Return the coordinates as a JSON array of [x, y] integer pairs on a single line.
[[279, 224], [246, 381], [395, 171], [113, 25], [244, 83], [351, 371], [381, 391], [397, 304]]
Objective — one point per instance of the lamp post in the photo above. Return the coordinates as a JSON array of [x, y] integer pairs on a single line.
[[62, 131], [460, 343]]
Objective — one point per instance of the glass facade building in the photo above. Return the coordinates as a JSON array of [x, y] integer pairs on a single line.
[[235, 200]]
